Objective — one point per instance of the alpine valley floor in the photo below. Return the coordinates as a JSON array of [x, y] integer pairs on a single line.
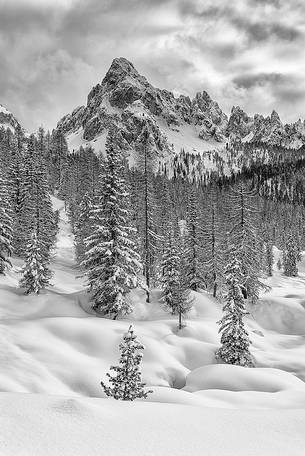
[[54, 353]]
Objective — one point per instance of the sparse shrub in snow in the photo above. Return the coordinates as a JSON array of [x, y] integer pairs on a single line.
[[126, 384], [35, 273], [234, 337], [291, 256], [111, 261]]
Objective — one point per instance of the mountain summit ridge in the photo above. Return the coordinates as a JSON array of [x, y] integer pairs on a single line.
[[124, 96]]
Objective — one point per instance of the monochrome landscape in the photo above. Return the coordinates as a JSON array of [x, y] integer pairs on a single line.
[[152, 241]]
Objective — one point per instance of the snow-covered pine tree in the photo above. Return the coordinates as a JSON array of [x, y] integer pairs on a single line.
[[175, 292], [290, 257], [36, 211], [193, 243], [170, 267], [83, 227], [126, 384], [244, 239], [57, 155], [111, 263], [269, 257], [6, 225], [212, 242], [234, 337], [147, 206], [44, 215], [35, 273]]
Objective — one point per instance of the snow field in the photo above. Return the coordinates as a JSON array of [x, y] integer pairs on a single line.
[[58, 353]]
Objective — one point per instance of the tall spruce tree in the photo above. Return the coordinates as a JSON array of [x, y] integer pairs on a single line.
[[126, 384], [111, 262], [193, 243], [290, 257], [175, 292], [35, 273], [235, 341], [269, 257], [35, 211], [212, 242], [83, 227], [244, 238], [6, 225], [147, 206]]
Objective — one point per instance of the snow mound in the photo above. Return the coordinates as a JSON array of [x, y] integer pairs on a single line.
[[237, 378]]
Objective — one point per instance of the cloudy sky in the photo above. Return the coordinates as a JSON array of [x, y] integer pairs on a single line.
[[246, 52]]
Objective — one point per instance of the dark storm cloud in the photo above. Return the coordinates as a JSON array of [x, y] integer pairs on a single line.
[[248, 81], [52, 52], [261, 31]]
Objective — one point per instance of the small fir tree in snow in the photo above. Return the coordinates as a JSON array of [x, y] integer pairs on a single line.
[[234, 337], [35, 273], [290, 257], [6, 222], [111, 261], [126, 384]]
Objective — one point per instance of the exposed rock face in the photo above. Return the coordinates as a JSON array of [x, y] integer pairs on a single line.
[[7, 120], [269, 130], [207, 114], [240, 124], [124, 98]]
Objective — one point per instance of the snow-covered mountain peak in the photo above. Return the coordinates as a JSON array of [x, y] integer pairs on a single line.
[[3, 110], [7, 119], [124, 97], [121, 68]]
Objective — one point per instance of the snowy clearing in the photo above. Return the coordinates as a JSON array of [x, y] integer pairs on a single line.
[[56, 351]]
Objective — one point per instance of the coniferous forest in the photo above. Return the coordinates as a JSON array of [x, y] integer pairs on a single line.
[[145, 226]]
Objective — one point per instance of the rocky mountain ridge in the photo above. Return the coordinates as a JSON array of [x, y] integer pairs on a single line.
[[269, 130], [7, 119], [124, 98]]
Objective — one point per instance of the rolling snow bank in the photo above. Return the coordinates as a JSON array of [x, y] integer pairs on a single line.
[[39, 425], [49, 345]]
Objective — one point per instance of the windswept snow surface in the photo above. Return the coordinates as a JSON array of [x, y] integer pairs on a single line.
[[54, 349], [39, 425]]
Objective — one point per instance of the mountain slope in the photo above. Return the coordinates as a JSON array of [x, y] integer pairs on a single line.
[[124, 98], [7, 119]]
